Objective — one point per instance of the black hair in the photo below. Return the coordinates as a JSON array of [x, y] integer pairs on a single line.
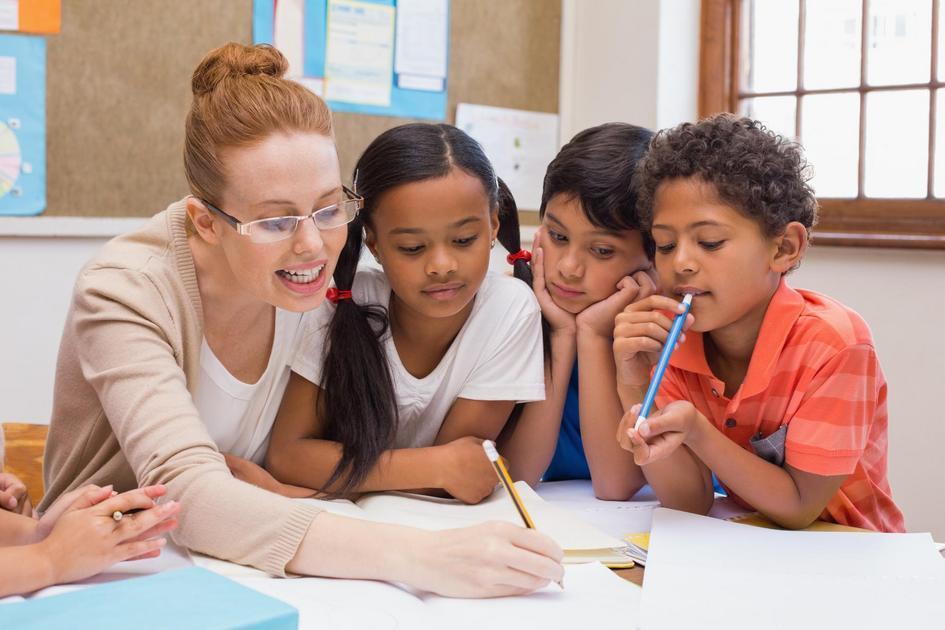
[[358, 399], [597, 168], [760, 173]]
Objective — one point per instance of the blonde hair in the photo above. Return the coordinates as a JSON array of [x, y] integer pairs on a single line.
[[240, 98]]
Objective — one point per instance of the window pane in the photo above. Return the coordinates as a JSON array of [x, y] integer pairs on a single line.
[[941, 41], [830, 132], [832, 43], [897, 143], [899, 42], [776, 112], [938, 188], [769, 45]]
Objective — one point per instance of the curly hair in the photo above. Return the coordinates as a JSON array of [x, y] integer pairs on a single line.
[[753, 169]]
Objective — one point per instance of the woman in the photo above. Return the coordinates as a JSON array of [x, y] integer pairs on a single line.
[[176, 345]]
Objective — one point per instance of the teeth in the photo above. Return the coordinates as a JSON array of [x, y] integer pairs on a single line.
[[303, 277]]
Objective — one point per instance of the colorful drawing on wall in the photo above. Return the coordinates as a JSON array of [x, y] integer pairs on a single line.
[[22, 125], [31, 16]]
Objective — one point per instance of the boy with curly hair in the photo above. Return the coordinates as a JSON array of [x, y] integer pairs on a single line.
[[776, 391]]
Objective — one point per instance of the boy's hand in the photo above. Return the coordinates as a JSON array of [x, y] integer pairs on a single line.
[[662, 433], [639, 334], [13, 496], [559, 319], [599, 318]]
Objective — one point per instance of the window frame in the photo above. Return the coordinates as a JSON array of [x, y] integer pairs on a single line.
[[860, 221]]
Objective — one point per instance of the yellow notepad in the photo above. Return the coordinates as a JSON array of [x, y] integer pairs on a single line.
[[580, 541]]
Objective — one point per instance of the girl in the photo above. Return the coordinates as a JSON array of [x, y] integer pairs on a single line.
[[176, 347], [446, 349], [591, 260]]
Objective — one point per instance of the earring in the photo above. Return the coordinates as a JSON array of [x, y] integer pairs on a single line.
[[492, 245]]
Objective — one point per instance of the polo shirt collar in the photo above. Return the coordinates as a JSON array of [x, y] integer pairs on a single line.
[[785, 307]]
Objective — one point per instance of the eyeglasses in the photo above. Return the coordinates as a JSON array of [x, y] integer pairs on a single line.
[[280, 228]]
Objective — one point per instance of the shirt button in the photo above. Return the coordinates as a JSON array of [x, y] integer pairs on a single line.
[[715, 392], [730, 423]]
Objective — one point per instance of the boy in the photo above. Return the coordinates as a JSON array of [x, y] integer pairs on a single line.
[[777, 391]]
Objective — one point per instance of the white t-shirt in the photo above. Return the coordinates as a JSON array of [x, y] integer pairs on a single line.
[[239, 415], [497, 354]]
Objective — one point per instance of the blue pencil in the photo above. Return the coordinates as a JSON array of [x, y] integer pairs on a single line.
[[654, 387]]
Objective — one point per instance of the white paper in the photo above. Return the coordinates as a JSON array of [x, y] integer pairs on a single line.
[[7, 75], [593, 597], [288, 34], [9, 15], [617, 518], [707, 573], [433, 513], [359, 52], [422, 35], [519, 143]]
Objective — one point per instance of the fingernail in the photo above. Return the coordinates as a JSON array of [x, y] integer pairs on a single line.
[[644, 429], [680, 307]]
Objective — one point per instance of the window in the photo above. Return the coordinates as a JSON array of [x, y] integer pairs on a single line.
[[861, 84]]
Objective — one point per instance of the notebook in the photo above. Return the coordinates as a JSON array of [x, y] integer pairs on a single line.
[[581, 542], [183, 599]]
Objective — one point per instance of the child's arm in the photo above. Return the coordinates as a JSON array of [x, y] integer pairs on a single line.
[[297, 455], [530, 445], [790, 497], [614, 475]]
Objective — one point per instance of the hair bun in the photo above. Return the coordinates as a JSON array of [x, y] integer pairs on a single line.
[[235, 60]]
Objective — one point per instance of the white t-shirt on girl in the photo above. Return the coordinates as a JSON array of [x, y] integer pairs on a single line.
[[238, 415], [497, 354]]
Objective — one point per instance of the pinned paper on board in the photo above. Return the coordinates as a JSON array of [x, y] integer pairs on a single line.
[[22, 125], [377, 57], [31, 16], [359, 52], [519, 143]]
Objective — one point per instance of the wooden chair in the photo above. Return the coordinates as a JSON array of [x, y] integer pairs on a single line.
[[24, 455]]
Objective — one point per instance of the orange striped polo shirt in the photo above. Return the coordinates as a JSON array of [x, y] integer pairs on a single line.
[[814, 369]]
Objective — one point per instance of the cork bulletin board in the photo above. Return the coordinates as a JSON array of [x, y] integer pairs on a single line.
[[118, 89]]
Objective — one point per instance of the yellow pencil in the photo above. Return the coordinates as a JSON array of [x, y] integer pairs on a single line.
[[489, 447]]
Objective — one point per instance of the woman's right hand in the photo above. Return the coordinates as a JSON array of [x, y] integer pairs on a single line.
[[640, 331], [559, 319], [465, 471], [86, 541], [489, 560]]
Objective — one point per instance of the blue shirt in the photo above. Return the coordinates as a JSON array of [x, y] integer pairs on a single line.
[[569, 461]]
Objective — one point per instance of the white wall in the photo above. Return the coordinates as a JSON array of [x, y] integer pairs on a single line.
[[39, 260], [638, 62]]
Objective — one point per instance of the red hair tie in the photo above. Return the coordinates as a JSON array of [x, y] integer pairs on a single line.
[[522, 254], [335, 295]]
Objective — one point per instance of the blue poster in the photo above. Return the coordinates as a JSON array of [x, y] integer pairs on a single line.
[[410, 95], [22, 125]]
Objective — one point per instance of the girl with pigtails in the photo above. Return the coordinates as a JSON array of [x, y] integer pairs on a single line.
[[396, 385]]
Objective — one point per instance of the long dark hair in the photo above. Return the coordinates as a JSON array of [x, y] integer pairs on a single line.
[[358, 399]]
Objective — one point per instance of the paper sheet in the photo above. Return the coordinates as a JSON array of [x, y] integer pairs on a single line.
[[422, 44], [593, 596], [359, 52], [707, 573], [520, 144], [616, 518]]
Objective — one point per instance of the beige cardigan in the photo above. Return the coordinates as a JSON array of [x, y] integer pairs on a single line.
[[123, 411]]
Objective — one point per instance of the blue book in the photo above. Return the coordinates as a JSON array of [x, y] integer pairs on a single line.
[[184, 599]]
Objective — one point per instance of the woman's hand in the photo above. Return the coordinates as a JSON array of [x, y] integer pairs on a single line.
[[13, 496], [465, 471], [558, 319], [86, 541], [488, 560]]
